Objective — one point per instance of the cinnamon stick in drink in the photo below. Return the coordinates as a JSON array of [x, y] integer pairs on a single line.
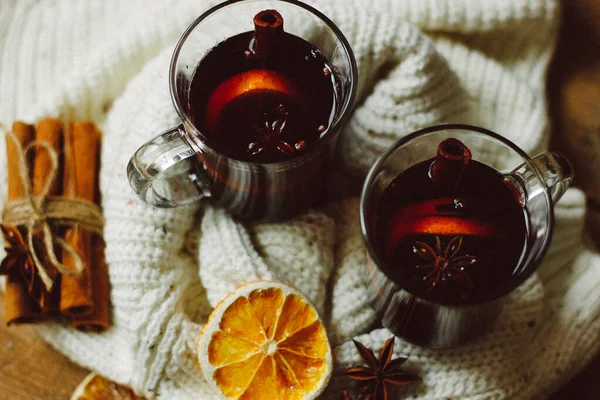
[[50, 131], [450, 162], [18, 305], [79, 182], [268, 32], [441, 215]]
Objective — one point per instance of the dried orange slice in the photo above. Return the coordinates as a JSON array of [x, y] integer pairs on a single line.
[[265, 341], [96, 387]]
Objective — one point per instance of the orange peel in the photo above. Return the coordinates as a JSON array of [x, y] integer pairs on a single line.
[[425, 218], [244, 83]]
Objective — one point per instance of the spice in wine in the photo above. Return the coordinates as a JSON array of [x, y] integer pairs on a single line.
[[263, 96], [450, 229]]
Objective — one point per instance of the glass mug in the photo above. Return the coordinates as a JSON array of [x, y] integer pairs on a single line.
[[181, 165], [539, 183]]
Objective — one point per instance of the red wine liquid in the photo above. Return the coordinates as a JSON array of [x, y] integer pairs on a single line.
[[263, 110], [454, 246]]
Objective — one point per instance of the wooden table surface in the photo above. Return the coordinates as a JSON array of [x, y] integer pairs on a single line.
[[31, 370]]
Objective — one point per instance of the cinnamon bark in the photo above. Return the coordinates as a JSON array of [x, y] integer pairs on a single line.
[[450, 162], [99, 319], [79, 182], [49, 131], [18, 305], [268, 31]]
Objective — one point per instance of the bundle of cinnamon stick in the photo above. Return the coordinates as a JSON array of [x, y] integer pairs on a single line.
[[71, 173]]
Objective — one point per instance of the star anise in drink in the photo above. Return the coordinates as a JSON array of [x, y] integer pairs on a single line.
[[379, 373], [18, 257], [268, 137], [445, 264]]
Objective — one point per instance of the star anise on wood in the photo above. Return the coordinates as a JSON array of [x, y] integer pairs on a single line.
[[18, 257], [379, 373], [445, 264], [269, 137]]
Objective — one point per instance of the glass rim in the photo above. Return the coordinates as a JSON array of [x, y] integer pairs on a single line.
[[367, 189], [340, 121]]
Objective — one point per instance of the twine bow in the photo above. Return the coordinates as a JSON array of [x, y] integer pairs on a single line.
[[36, 212]]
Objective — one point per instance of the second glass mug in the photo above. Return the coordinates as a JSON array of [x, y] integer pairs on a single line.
[[182, 166], [539, 182]]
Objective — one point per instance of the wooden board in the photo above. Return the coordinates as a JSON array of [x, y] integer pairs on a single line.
[[30, 369]]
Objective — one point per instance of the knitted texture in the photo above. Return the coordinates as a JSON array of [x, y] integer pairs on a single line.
[[420, 63]]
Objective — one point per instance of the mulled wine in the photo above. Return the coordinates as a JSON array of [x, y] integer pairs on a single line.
[[259, 98], [263, 104], [453, 239], [261, 109], [450, 238]]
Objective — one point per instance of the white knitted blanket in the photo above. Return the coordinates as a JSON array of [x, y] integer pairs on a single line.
[[420, 62]]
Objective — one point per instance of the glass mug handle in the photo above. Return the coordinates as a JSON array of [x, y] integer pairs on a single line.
[[163, 173], [553, 170]]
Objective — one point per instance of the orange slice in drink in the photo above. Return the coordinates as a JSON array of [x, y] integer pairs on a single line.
[[265, 341], [244, 83], [427, 218]]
